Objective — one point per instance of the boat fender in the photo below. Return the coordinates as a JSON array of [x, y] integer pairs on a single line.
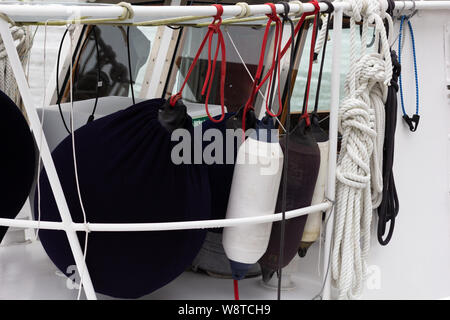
[[314, 221], [127, 175], [303, 167], [18, 162], [254, 189]]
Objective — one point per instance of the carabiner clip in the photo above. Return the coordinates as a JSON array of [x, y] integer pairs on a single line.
[[413, 122]]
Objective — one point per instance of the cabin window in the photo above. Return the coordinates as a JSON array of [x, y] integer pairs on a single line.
[[114, 71], [325, 90]]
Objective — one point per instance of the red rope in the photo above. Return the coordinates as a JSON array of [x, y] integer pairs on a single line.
[[257, 84], [213, 28], [236, 289], [311, 59], [273, 17]]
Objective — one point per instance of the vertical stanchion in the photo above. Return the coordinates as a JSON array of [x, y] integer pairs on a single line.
[[46, 157], [333, 132]]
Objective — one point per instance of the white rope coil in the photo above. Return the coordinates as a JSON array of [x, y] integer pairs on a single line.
[[245, 10], [128, 12], [22, 36], [300, 5], [359, 169]]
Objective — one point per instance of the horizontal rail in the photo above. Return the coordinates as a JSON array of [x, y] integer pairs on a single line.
[[164, 226], [43, 12]]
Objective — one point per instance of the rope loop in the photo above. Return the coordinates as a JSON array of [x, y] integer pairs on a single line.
[[213, 28], [286, 7], [305, 114], [245, 10], [219, 13], [412, 121], [330, 8], [316, 5], [128, 12], [273, 15]]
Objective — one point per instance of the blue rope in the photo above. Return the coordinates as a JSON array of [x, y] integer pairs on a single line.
[[415, 117]]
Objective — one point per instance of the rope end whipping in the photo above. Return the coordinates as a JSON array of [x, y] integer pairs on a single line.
[[236, 289]]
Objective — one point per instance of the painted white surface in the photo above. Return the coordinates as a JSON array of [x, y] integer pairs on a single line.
[[27, 273], [416, 263]]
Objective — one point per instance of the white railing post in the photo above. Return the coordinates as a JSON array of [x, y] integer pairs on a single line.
[[333, 132], [46, 156]]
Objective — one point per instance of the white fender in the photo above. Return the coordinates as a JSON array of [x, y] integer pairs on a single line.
[[312, 228], [254, 191]]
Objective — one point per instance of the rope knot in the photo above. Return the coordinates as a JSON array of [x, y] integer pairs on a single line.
[[245, 10], [214, 27], [307, 119], [300, 6], [316, 5], [219, 13], [273, 15], [128, 12], [173, 99]]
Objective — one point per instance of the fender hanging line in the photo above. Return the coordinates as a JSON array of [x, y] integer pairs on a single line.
[[273, 17], [286, 18], [98, 71], [322, 62], [256, 86], [412, 122], [389, 206], [311, 60], [213, 28]]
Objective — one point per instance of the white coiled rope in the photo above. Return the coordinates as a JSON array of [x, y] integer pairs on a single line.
[[321, 37], [23, 39], [358, 172]]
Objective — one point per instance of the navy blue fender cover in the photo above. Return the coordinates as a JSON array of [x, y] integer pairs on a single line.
[[126, 175], [17, 163]]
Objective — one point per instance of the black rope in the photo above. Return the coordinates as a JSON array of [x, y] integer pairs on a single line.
[[129, 65], [57, 81], [286, 18], [389, 206], [322, 62], [91, 117], [308, 80], [174, 28], [58, 95]]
